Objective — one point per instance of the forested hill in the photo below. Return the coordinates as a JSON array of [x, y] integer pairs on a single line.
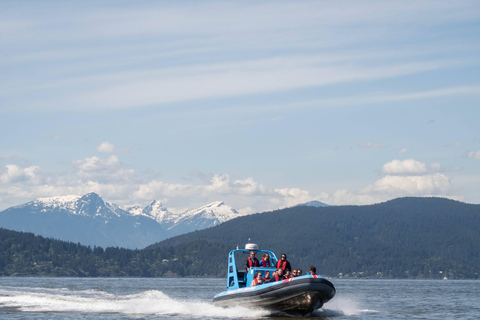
[[402, 238], [405, 237], [25, 254]]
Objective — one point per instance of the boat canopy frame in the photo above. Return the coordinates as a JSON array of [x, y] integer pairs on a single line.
[[238, 277]]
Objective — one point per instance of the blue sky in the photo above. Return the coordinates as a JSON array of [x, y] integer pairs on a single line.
[[262, 105]]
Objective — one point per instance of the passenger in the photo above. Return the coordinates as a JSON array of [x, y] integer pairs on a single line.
[[252, 261], [299, 272], [287, 274], [283, 263], [278, 276], [265, 262], [266, 278], [257, 280], [294, 273], [312, 270]]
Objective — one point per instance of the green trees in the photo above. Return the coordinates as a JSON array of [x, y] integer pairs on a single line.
[[402, 238], [24, 254]]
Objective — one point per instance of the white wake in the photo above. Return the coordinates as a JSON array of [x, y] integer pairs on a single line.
[[151, 302], [342, 306]]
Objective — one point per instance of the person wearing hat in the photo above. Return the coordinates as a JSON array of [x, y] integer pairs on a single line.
[[283, 263]]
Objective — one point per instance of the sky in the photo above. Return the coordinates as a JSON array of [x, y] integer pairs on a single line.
[[260, 104]]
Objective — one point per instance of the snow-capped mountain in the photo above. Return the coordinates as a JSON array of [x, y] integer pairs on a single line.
[[204, 217], [155, 210], [90, 220], [216, 211], [89, 205]]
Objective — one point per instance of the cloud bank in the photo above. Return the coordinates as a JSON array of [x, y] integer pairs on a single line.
[[121, 183]]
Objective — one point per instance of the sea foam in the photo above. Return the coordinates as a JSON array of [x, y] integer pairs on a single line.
[[342, 306], [152, 302]]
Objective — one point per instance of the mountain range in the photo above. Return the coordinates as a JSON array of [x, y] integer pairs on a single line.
[[90, 220], [429, 238]]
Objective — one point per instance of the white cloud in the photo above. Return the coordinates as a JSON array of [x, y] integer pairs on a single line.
[[103, 169], [409, 178], [155, 189], [293, 196], [120, 183], [13, 173], [107, 147], [249, 187], [474, 154], [437, 184], [403, 150], [409, 166], [220, 184]]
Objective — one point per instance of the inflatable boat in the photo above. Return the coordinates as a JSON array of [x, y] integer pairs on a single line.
[[293, 296]]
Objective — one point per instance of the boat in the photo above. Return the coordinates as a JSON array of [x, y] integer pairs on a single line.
[[300, 295]]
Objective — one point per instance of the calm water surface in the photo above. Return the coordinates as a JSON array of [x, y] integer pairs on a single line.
[[187, 299]]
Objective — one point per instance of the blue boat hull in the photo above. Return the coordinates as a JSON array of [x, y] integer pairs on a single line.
[[297, 296]]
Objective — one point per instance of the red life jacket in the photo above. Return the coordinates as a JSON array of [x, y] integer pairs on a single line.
[[266, 263], [279, 264], [252, 263], [256, 281], [277, 277]]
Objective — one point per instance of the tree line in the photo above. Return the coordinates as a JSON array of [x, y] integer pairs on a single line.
[[402, 238], [25, 254]]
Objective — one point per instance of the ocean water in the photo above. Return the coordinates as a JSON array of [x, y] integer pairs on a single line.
[[187, 299]]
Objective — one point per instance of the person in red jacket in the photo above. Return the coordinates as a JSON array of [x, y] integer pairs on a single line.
[[277, 276], [266, 278], [312, 270], [257, 280], [283, 263], [252, 261], [265, 262]]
